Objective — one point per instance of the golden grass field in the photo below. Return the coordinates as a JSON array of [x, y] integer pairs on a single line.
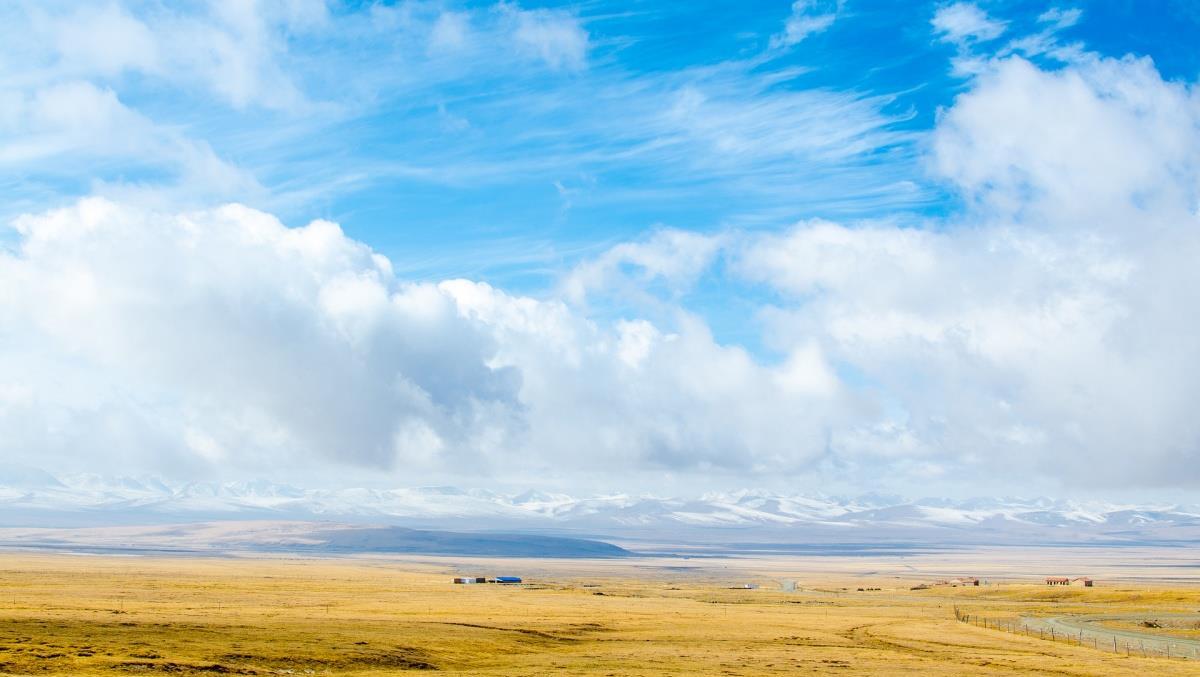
[[115, 615]]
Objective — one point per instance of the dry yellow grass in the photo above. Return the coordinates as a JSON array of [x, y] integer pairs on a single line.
[[108, 615]]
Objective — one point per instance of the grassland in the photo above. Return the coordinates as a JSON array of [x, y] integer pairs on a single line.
[[110, 615], [1153, 623]]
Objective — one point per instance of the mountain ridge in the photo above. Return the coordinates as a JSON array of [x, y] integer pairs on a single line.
[[747, 514]]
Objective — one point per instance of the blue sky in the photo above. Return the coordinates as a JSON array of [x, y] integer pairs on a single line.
[[476, 161], [471, 160], [643, 168]]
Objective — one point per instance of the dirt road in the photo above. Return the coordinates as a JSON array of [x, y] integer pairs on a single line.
[[1087, 629]]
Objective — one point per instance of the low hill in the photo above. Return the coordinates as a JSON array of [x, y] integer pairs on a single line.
[[302, 537]]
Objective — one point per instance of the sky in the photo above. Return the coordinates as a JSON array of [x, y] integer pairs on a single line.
[[930, 248]]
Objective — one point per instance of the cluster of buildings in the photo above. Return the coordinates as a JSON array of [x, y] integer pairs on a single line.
[[503, 580], [962, 581], [1083, 581]]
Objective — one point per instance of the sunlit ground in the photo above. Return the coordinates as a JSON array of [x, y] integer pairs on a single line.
[[88, 615]]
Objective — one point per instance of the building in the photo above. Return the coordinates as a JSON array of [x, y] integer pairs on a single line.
[[462, 581], [1082, 581], [507, 579], [1055, 580]]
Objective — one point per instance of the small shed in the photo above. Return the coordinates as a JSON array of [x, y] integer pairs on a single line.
[[1082, 581], [507, 579], [460, 580]]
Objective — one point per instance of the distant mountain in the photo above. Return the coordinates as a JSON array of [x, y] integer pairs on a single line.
[[400, 540], [302, 537], [32, 498]]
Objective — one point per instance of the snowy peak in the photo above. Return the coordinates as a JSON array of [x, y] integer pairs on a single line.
[[28, 497]]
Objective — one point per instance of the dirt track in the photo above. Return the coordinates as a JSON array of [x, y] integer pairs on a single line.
[[1084, 627]]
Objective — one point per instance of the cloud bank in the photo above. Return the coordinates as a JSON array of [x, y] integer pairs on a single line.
[[1045, 330]]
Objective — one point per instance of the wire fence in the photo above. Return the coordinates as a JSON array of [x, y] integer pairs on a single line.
[[1095, 638]]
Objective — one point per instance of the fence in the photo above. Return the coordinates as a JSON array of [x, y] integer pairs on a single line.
[[1099, 639]]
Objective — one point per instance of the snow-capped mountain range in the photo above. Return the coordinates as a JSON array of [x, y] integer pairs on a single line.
[[34, 498]]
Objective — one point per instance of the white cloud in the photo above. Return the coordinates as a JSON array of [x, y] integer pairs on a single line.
[[640, 398], [555, 37], [177, 340], [807, 123], [1061, 18], [1046, 42], [449, 32], [237, 50], [272, 87], [105, 39], [1103, 144], [674, 258], [80, 120], [964, 22], [1055, 319], [808, 17], [184, 342], [967, 26], [1052, 323]]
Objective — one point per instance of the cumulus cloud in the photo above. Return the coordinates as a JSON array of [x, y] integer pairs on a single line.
[[1049, 324], [1106, 143], [224, 336], [633, 396]]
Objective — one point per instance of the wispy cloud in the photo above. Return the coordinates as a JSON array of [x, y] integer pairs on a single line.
[[808, 17], [965, 22], [314, 104]]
